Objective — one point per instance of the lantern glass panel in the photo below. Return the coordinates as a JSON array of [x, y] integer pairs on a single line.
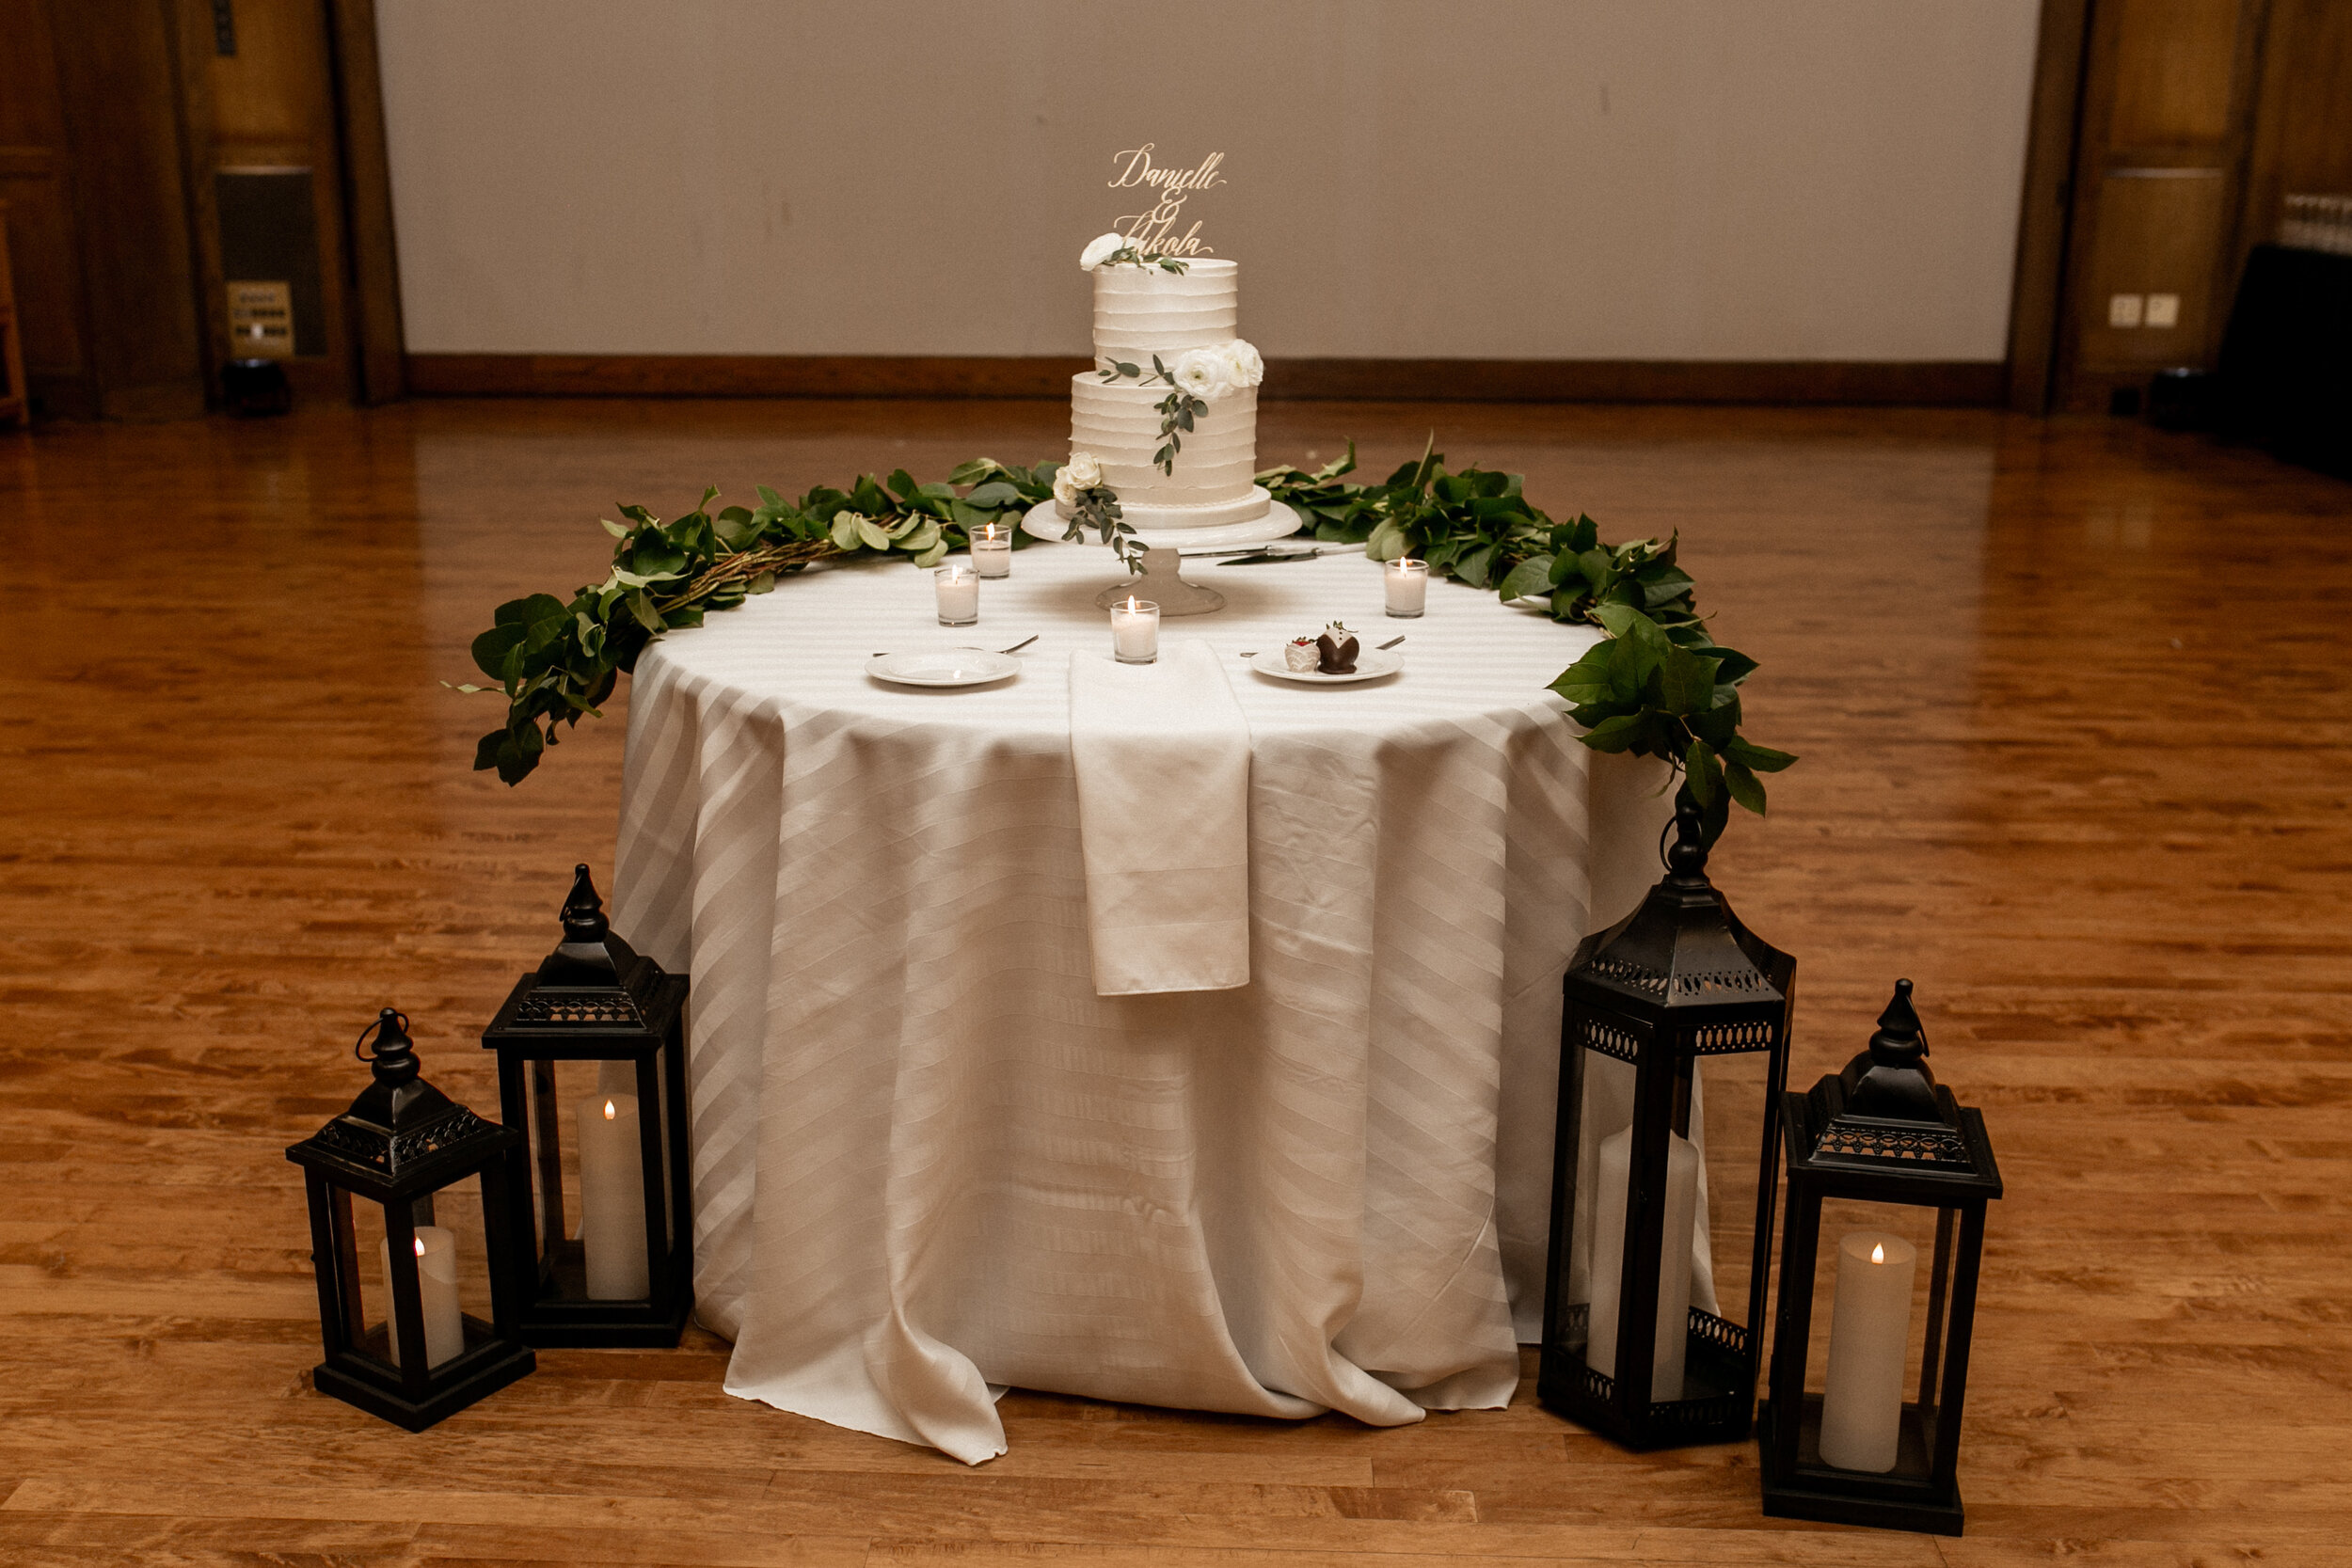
[[1881, 1289], [588, 1122], [1706, 1312], [453, 1287]]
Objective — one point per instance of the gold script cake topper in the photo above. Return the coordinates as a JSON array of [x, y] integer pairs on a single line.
[[1153, 231]]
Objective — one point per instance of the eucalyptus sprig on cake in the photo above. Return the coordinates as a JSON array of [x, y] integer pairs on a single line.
[[1657, 684], [1078, 486], [1199, 376], [1115, 250]]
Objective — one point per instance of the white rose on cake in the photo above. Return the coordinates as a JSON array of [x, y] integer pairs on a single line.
[[1099, 249], [1243, 366], [1083, 471], [1207, 374]]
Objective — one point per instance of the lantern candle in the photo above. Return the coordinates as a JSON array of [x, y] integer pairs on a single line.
[[1407, 584], [612, 1198], [991, 551], [1672, 1344], [1135, 632], [436, 1288], [958, 590], [1862, 1408]]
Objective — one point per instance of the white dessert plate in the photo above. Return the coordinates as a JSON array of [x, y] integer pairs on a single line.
[[945, 667], [1371, 664]]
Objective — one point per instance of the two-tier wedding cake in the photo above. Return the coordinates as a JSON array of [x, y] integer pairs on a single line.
[[1168, 417]]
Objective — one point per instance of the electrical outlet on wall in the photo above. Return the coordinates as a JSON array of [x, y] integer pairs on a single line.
[[2125, 309], [2163, 310]]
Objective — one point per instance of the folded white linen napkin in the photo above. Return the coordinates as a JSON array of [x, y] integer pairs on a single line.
[[1162, 756]]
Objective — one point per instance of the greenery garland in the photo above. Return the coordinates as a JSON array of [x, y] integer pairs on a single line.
[[1657, 685]]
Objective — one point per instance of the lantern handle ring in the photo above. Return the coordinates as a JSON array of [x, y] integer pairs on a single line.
[[358, 1051]]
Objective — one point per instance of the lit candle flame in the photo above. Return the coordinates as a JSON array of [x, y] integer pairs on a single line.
[[1131, 604], [419, 1247], [608, 1114], [991, 534], [1878, 1253]]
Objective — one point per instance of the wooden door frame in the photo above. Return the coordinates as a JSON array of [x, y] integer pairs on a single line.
[[2037, 314], [371, 254]]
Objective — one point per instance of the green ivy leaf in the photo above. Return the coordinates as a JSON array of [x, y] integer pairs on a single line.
[[1687, 682], [1763, 759], [1530, 576], [1704, 773], [1746, 787]]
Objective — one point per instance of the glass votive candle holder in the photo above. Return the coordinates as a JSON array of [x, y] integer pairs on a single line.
[[1407, 584], [991, 551], [958, 586], [1135, 632]]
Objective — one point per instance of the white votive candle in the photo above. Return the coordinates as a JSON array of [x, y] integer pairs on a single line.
[[1135, 632], [959, 589], [437, 1285], [612, 1198], [1407, 582], [1615, 1164], [991, 551], [1861, 1411]]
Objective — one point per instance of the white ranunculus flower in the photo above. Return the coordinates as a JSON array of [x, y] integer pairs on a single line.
[[1099, 249], [1083, 471], [1204, 372], [1245, 368]]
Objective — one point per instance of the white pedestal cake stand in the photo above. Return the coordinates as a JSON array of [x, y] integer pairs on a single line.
[[1161, 582]]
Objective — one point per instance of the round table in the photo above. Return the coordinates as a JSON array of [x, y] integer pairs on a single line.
[[929, 1161]]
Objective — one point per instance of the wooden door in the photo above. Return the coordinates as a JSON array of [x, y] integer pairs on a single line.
[[2158, 190]]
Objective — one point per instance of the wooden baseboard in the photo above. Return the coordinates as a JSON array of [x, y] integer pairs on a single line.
[[1941, 383]]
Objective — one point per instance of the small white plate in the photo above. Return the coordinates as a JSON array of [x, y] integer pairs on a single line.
[[946, 666], [1371, 664]]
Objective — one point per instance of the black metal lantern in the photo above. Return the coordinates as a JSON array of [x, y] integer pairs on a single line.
[[1635, 1340], [1636, 1343], [625, 1276], [1883, 1132], [403, 1141]]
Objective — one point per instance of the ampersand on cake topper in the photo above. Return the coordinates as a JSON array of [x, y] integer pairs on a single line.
[[1151, 231]]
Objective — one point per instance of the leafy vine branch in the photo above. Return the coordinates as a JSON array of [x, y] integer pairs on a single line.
[[1656, 685], [1177, 410]]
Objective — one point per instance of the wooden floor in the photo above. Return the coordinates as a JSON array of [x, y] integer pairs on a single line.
[[2077, 740]]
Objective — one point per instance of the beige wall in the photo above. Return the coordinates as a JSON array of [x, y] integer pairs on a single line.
[[1484, 179]]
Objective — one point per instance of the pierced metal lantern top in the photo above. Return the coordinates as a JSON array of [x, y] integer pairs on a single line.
[[1884, 1116], [1683, 957], [592, 988], [402, 1138]]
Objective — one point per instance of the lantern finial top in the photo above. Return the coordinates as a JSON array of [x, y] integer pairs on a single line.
[[1891, 1081], [583, 912], [1901, 1039], [1686, 858], [391, 1054]]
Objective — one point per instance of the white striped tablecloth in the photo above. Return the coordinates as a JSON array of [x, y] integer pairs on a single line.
[[929, 1161]]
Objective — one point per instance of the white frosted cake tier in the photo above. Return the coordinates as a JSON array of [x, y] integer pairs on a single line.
[[1141, 311], [1118, 421]]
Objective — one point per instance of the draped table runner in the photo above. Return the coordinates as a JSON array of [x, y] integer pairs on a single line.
[[1161, 756], [931, 1162]]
